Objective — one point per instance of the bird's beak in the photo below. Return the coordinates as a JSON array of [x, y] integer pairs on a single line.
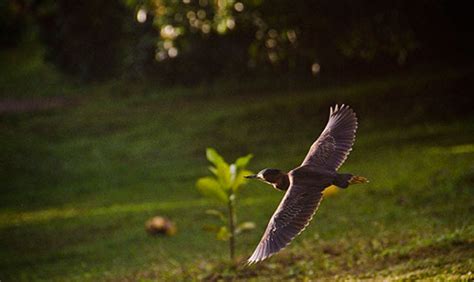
[[252, 176]]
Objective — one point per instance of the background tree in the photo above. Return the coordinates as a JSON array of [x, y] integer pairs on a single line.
[[84, 38], [193, 41]]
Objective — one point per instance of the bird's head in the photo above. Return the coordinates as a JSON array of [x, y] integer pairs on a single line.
[[269, 175]]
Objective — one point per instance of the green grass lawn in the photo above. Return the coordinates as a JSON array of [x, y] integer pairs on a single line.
[[79, 182]]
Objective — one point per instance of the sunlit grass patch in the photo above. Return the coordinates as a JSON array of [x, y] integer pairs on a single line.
[[10, 218], [457, 149]]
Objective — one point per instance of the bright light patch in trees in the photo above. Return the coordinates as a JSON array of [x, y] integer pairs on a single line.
[[291, 34], [230, 23], [206, 28], [191, 15], [270, 43], [221, 27], [315, 68], [273, 33], [201, 14], [141, 15], [169, 32], [239, 7], [160, 56], [273, 57], [173, 52], [168, 44]]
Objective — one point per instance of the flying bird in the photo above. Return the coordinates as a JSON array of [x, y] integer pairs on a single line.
[[304, 185]]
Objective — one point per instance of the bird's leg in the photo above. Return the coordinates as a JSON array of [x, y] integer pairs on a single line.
[[343, 180], [358, 180]]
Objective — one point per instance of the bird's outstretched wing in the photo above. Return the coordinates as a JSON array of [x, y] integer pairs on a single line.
[[334, 144], [294, 213]]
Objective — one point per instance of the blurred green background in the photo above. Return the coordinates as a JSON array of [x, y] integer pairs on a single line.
[[107, 107]]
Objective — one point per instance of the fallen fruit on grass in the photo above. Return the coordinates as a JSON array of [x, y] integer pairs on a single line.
[[160, 225]]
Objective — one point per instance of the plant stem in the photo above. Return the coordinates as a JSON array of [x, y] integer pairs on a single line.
[[231, 225]]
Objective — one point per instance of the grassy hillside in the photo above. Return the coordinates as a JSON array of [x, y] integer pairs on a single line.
[[80, 180]]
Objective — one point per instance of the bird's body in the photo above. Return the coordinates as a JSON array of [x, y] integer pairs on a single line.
[[304, 184]]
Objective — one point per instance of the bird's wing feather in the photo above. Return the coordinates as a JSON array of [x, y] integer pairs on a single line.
[[294, 213], [334, 144]]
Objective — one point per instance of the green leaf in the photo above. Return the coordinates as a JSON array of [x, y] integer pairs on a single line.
[[214, 171], [245, 226], [240, 179], [221, 169], [217, 213], [242, 162], [223, 234], [214, 157], [209, 187], [224, 175]]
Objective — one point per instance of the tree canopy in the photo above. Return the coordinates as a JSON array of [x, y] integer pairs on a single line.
[[201, 40]]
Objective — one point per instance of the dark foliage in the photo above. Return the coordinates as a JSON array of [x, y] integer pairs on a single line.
[[215, 39], [13, 23], [84, 38]]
